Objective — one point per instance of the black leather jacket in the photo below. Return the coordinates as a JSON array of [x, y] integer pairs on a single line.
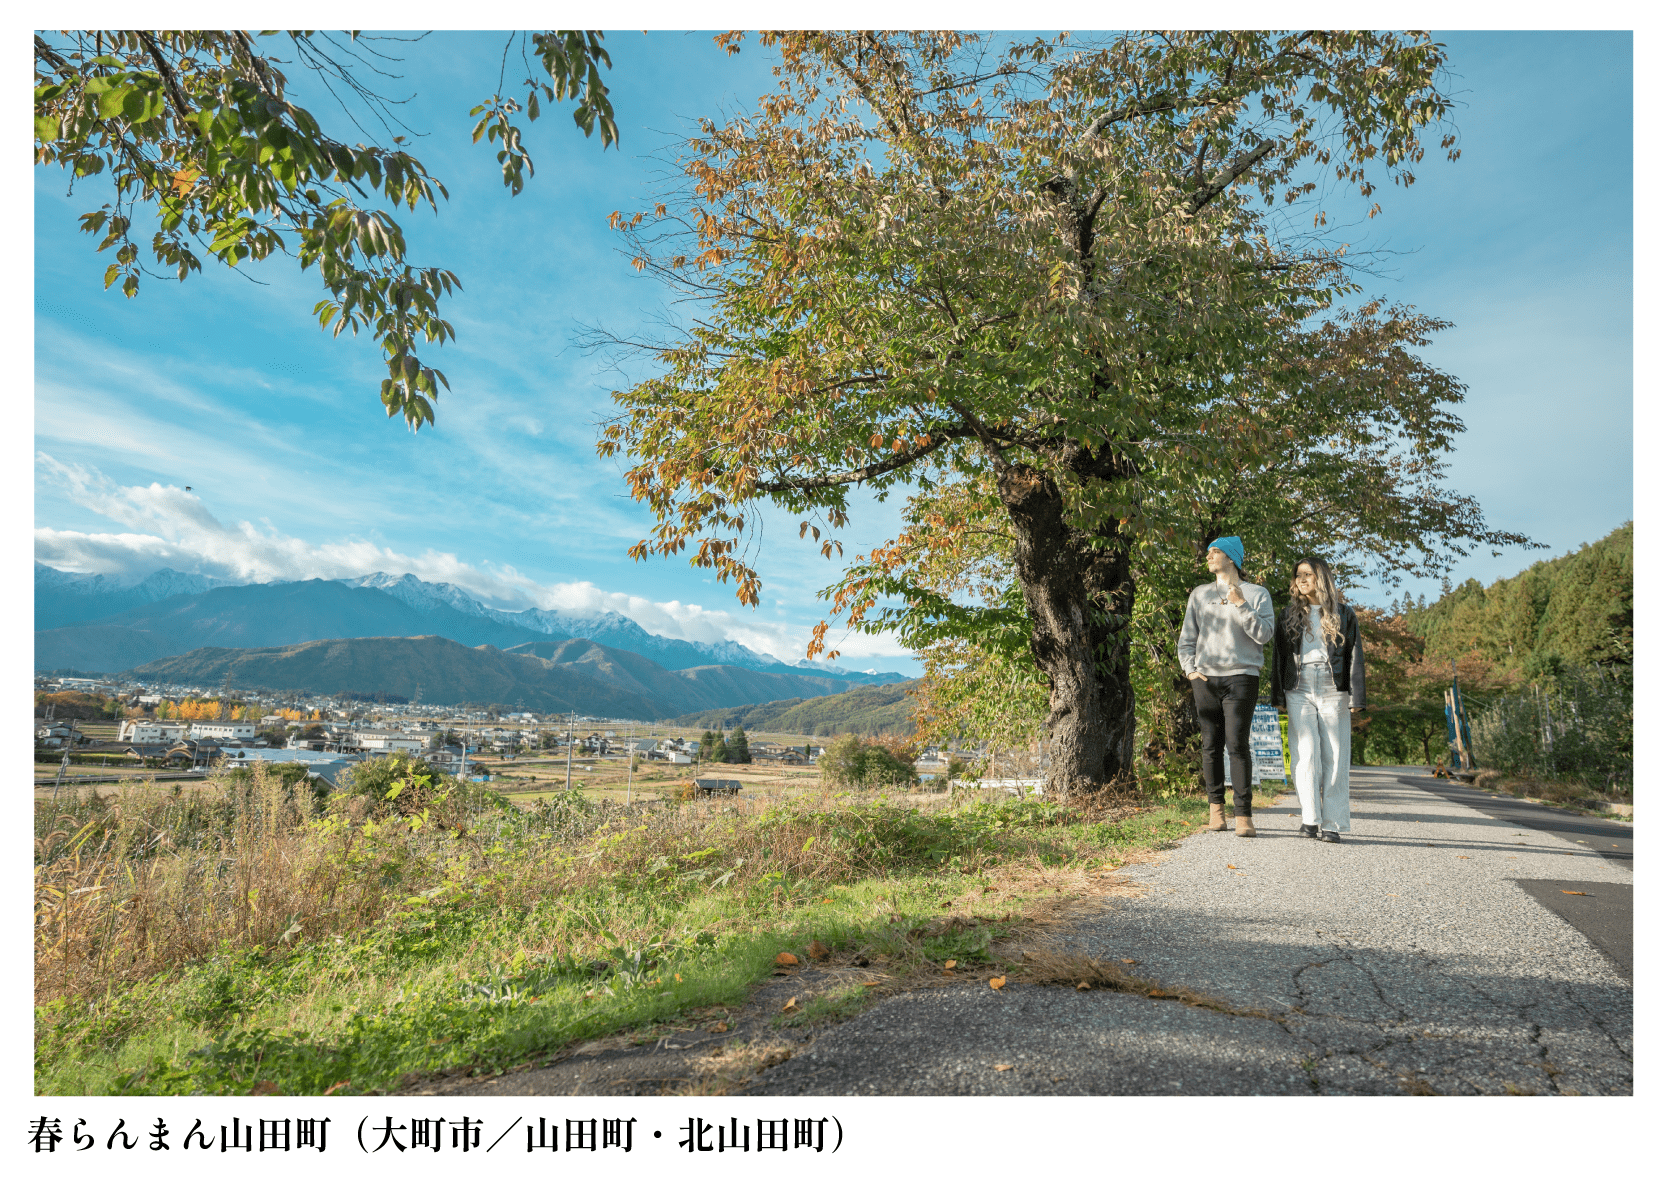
[[1349, 661]]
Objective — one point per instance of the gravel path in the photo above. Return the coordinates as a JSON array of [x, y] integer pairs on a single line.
[[1405, 960]]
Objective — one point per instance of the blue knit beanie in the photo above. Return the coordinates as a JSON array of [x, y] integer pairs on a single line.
[[1231, 546]]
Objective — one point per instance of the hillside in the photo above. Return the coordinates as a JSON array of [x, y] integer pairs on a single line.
[[1578, 607], [871, 711], [546, 677]]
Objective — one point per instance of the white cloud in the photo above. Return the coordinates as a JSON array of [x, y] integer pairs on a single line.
[[171, 527]]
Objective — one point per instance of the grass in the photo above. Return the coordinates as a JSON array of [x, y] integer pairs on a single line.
[[248, 937], [1571, 794]]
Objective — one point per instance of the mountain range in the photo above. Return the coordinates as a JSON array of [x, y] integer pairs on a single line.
[[66, 602], [62, 599], [94, 623], [549, 676]]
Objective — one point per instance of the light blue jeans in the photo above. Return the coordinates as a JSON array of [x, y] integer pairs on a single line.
[[1317, 729]]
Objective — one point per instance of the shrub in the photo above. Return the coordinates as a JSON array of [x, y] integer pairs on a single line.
[[853, 762], [1574, 724]]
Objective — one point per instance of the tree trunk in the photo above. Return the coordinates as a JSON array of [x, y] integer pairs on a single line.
[[1080, 600]]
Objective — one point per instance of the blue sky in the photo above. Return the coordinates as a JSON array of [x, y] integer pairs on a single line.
[[228, 386]]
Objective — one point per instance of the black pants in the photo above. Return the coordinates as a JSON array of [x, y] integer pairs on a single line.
[[1225, 705]]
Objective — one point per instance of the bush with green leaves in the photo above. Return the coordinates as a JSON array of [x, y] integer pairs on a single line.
[[1571, 724], [853, 762]]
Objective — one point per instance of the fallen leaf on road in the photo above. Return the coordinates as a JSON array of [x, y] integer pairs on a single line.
[[1155, 994], [1083, 986], [720, 1027], [1233, 866], [817, 951], [1000, 1068], [792, 1005], [1573, 892], [998, 982], [949, 964], [787, 960], [1132, 962], [1462, 858], [872, 983]]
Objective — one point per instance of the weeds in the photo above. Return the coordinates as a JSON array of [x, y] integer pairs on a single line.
[[252, 933]]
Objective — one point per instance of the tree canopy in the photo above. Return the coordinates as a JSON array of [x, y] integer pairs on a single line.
[[1071, 294]]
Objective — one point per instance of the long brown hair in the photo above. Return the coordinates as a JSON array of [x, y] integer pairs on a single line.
[[1326, 590]]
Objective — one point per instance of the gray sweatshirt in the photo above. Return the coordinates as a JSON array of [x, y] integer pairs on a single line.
[[1221, 640]]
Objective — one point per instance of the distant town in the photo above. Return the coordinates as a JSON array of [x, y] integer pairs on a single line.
[[190, 729]]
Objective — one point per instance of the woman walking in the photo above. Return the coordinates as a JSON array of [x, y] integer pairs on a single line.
[[1320, 679], [1221, 650]]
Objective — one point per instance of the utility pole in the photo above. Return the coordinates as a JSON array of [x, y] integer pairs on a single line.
[[570, 751], [62, 766]]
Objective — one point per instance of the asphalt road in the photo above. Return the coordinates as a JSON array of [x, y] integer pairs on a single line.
[[1611, 840], [1415, 957]]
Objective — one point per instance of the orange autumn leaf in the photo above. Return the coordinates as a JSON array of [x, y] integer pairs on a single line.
[[949, 964], [792, 1005], [1003, 1068], [998, 983], [1573, 892], [817, 951], [1083, 985]]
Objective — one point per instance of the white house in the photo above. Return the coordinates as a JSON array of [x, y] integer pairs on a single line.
[[149, 732], [222, 731], [389, 741]]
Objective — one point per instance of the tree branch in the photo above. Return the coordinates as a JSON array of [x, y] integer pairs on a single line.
[[174, 95], [1240, 165], [859, 474]]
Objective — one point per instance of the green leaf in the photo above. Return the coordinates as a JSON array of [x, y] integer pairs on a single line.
[[48, 128], [111, 102]]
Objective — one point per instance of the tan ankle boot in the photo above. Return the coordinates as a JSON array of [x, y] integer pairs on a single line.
[[1243, 827], [1218, 821]]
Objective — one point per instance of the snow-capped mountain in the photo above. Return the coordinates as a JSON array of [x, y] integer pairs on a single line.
[[609, 628], [279, 613], [63, 598]]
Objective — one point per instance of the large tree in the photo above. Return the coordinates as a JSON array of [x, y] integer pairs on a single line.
[[198, 129], [1069, 275]]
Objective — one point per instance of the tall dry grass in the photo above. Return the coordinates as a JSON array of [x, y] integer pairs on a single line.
[[148, 882], [151, 879]]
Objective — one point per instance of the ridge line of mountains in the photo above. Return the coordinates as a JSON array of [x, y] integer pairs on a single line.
[[393, 633]]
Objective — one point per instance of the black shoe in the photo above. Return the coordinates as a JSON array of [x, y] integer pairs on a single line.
[[1308, 830], [1332, 837]]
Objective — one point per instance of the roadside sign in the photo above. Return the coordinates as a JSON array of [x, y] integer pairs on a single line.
[[1267, 760]]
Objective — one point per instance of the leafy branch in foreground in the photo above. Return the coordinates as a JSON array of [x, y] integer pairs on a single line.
[[198, 126]]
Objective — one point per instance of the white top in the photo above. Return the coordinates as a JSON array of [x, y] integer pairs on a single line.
[[1314, 646]]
